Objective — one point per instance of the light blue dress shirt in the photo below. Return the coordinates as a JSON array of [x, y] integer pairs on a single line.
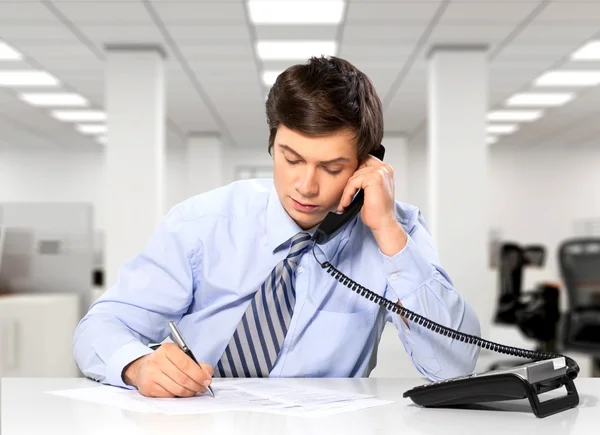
[[210, 254]]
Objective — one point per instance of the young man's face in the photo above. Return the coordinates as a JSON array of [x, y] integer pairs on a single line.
[[310, 173]]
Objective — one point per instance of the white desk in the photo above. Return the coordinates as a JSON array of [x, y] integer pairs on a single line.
[[27, 409]]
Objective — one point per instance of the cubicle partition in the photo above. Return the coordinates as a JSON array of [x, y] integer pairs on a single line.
[[46, 263]]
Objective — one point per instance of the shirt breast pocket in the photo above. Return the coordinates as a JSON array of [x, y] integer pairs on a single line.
[[338, 344]]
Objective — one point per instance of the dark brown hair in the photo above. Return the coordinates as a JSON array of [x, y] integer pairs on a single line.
[[323, 96]]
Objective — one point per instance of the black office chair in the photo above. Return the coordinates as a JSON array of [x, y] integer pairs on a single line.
[[534, 312], [579, 262]]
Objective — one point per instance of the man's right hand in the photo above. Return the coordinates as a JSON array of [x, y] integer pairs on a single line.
[[168, 372]]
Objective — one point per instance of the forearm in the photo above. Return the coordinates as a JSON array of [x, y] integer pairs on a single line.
[[103, 345], [415, 283], [434, 355]]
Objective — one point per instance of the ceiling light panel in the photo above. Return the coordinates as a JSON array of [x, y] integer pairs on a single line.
[[92, 128], [269, 77], [533, 99], [79, 115], [294, 50], [514, 115], [9, 53], [58, 99], [296, 12], [27, 78], [501, 128], [590, 51], [569, 78]]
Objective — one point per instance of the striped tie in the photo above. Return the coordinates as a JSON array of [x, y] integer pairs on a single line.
[[254, 347]]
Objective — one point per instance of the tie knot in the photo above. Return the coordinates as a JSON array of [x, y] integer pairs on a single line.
[[299, 244]]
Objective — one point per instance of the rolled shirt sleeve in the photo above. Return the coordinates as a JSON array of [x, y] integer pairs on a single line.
[[415, 279]]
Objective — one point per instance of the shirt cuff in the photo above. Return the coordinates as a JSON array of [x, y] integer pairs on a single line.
[[120, 359], [407, 270]]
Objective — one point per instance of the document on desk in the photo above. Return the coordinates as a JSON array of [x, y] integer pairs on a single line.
[[279, 397]]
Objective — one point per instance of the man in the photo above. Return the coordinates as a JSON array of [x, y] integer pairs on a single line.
[[234, 267]]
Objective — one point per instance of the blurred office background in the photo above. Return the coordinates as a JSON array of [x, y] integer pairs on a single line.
[[112, 111]]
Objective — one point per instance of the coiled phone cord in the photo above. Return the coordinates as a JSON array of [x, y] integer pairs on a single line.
[[572, 366]]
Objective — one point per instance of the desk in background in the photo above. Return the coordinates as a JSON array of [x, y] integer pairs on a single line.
[[26, 408]]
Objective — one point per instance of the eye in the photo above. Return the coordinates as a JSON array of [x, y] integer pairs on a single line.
[[332, 172], [292, 162]]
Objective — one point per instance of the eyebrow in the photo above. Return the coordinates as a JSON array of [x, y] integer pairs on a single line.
[[327, 162]]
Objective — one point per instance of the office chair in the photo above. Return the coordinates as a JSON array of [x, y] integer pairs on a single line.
[[579, 262], [534, 312]]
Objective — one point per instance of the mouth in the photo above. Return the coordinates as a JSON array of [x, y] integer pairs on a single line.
[[303, 207]]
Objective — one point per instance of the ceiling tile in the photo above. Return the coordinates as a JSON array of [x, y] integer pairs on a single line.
[[16, 12], [551, 33], [208, 33], [487, 12], [210, 52], [375, 52], [90, 12], [471, 34], [379, 12], [536, 51], [202, 12], [387, 33], [102, 34], [17, 33], [578, 12]]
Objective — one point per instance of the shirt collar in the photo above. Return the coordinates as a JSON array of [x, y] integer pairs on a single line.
[[281, 228]]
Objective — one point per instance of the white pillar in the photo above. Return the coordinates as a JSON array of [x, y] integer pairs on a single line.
[[176, 174], [457, 158], [205, 160], [396, 156], [417, 170], [135, 152]]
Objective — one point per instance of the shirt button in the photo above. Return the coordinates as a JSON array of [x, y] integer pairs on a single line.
[[300, 269], [394, 276]]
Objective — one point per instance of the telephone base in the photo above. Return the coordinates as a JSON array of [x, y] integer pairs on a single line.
[[502, 385]]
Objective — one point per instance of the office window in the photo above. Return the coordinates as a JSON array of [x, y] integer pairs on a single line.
[[246, 172]]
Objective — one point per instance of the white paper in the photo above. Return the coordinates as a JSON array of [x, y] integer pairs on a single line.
[[234, 395]]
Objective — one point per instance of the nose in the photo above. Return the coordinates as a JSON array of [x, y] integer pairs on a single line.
[[307, 184]]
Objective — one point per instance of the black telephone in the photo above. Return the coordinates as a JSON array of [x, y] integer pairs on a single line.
[[547, 372]]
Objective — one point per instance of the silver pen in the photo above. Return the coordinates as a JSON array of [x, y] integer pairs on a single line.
[[178, 338]]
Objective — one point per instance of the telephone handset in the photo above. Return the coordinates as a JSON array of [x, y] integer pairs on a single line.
[[547, 372], [334, 222]]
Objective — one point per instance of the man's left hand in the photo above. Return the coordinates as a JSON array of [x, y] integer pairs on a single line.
[[376, 178]]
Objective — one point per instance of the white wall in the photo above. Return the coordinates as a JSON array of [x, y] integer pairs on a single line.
[[538, 193], [28, 175], [33, 175], [78, 176]]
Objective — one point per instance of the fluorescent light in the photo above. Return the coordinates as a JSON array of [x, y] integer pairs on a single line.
[[294, 50], [27, 78], [269, 77], [296, 12], [501, 128], [569, 78], [590, 51], [92, 128], [514, 115], [540, 99], [54, 99], [79, 115], [491, 139], [9, 53]]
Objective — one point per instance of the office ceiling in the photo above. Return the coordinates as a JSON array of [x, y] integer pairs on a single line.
[[214, 79]]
